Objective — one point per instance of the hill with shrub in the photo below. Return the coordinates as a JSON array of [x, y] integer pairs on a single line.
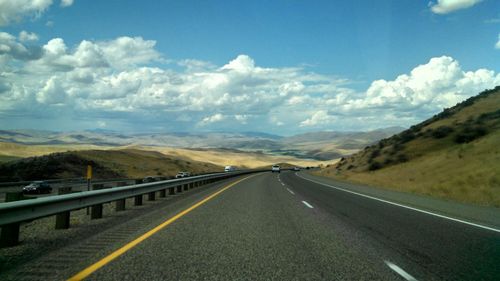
[[124, 163], [453, 155]]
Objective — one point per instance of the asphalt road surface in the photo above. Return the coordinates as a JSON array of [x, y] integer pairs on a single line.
[[283, 227]]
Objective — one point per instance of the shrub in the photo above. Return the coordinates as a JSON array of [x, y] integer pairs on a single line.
[[374, 166], [469, 134], [374, 154], [407, 136], [441, 132], [402, 158], [388, 161]]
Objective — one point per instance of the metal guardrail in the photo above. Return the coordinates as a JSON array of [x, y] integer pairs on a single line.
[[57, 181], [14, 213]]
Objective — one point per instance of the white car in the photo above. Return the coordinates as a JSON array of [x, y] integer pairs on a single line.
[[182, 175], [276, 168], [229, 169]]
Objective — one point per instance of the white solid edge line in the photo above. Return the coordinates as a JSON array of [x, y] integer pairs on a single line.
[[400, 271], [307, 204], [404, 206], [290, 191]]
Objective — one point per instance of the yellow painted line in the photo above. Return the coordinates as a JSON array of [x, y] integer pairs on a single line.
[[91, 269]]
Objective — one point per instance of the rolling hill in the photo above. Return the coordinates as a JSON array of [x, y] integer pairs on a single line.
[[318, 145], [124, 163], [453, 155]]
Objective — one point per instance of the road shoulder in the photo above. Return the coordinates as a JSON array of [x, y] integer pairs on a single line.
[[487, 216]]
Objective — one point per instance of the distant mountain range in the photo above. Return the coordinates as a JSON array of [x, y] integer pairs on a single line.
[[317, 145]]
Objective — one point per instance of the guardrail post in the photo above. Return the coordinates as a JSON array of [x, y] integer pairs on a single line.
[[152, 196], [120, 204], [62, 219], [138, 200], [163, 193], [179, 188], [10, 235], [96, 212], [10, 232], [171, 190]]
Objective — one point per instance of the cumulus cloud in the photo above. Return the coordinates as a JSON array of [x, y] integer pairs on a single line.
[[52, 92], [212, 119], [129, 51], [320, 117], [66, 3], [114, 80], [14, 11], [449, 6], [27, 36], [9, 46], [441, 82]]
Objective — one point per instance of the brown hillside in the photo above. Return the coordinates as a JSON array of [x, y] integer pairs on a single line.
[[453, 155]]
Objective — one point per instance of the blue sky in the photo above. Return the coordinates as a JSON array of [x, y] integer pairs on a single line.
[[280, 67]]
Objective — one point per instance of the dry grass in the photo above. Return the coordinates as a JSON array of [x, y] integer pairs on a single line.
[[228, 157], [467, 173], [138, 163], [216, 157]]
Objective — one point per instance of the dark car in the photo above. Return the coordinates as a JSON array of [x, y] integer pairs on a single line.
[[37, 187], [149, 179]]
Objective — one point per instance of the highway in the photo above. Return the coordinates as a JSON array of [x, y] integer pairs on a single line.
[[266, 227]]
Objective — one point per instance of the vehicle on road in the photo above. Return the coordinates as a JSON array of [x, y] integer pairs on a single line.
[[296, 168], [229, 168], [148, 179], [37, 187], [276, 168], [182, 175]]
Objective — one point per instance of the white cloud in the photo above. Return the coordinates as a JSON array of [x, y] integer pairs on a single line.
[[448, 6], [14, 11], [52, 92], [112, 80], [66, 3], [27, 36], [497, 45], [9, 46], [126, 51], [320, 117], [427, 89], [212, 119]]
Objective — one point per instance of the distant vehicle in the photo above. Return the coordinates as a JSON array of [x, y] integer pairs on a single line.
[[37, 187], [296, 168], [182, 175], [230, 169], [276, 168], [149, 179]]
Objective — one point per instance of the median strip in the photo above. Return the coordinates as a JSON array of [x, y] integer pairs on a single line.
[[92, 268]]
